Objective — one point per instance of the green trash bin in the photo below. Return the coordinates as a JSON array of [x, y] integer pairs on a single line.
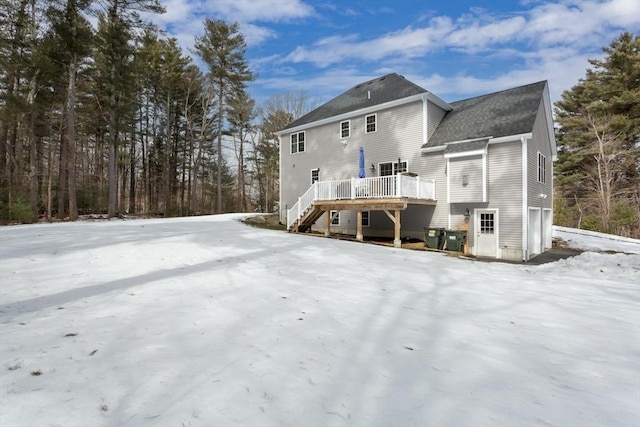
[[434, 237], [454, 240]]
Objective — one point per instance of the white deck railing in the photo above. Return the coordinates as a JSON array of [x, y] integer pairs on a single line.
[[362, 188]]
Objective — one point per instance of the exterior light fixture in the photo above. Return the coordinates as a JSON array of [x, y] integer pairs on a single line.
[[465, 181], [373, 167], [467, 215]]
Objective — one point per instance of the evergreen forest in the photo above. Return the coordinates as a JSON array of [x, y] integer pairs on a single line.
[[102, 113]]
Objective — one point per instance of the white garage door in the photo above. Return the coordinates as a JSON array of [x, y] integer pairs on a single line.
[[535, 232]]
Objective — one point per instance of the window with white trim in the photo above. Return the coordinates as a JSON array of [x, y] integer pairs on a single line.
[[297, 142], [370, 123], [487, 224], [391, 168], [365, 219], [542, 168], [345, 129], [335, 217], [315, 175]]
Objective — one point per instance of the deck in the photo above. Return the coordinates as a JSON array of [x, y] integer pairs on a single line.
[[388, 193]]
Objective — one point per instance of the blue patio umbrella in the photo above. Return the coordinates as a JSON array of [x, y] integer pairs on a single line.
[[361, 171]]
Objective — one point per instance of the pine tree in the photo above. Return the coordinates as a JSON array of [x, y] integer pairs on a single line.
[[117, 20], [223, 48], [598, 170], [240, 115], [74, 35]]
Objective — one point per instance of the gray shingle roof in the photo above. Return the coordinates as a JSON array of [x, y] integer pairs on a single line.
[[509, 112], [383, 89], [466, 146]]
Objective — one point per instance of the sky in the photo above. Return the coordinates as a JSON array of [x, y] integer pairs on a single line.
[[206, 321], [454, 49]]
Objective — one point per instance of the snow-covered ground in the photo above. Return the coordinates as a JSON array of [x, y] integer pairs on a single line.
[[208, 322]]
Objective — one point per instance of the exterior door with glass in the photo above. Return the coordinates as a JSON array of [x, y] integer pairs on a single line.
[[486, 227]]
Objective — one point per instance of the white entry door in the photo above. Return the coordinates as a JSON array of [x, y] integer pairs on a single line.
[[486, 227]]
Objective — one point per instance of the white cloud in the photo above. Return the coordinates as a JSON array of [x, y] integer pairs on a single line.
[[184, 17], [256, 34], [477, 36], [176, 11], [262, 10], [582, 23], [407, 42], [561, 67]]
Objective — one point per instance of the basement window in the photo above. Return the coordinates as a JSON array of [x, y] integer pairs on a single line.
[[365, 218], [335, 217]]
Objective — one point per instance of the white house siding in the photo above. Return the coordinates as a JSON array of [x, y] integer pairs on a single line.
[[398, 135], [471, 168], [433, 166], [505, 194], [434, 116], [539, 143]]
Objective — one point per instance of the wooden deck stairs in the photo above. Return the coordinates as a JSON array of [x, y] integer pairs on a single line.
[[307, 220]]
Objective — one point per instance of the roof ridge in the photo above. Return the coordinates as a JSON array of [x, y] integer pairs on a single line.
[[380, 90], [499, 91]]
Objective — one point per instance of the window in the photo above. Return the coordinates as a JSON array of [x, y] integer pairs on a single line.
[[386, 169], [315, 175], [542, 168], [391, 168], [345, 129], [365, 218], [335, 217], [370, 123], [487, 225], [297, 142]]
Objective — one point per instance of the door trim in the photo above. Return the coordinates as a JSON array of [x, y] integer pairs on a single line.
[[496, 226]]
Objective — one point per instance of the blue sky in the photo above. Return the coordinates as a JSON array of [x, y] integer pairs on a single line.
[[455, 49]]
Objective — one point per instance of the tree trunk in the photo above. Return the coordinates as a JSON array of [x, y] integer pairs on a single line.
[[112, 171], [132, 175], [62, 169], [71, 137], [241, 189], [219, 162]]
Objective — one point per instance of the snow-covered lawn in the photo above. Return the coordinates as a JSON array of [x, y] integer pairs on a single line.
[[208, 322]]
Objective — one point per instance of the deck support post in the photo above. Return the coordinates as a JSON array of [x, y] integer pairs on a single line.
[[359, 236], [397, 242], [327, 230]]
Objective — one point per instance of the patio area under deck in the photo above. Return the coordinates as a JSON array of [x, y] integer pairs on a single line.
[[390, 194], [387, 205]]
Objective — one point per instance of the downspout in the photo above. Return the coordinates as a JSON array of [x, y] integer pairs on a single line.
[[448, 196], [425, 121], [280, 206], [484, 176], [525, 202]]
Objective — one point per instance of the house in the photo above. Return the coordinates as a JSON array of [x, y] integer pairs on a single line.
[[483, 164]]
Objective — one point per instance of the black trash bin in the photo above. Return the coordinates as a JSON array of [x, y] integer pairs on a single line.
[[434, 237], [455, 239]]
